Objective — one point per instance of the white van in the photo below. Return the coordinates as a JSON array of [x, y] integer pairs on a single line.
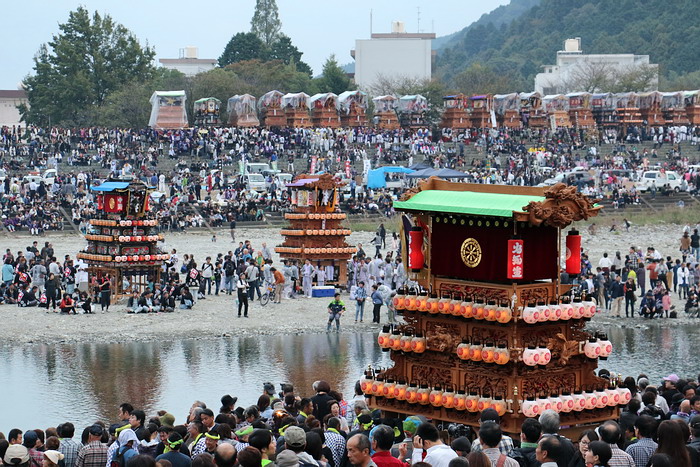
[[255, 182], [257, 167], [660, 179]]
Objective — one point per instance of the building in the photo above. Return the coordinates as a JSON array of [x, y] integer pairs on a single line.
[[576, 71], [189, 64], [9, 100], [394, 55]]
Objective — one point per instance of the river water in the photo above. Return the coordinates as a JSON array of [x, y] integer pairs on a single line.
[[44, 385]]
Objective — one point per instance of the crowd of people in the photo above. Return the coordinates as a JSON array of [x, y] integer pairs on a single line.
[[659, 427]]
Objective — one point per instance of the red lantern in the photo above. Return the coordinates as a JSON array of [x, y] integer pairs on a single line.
[[100, 202], [573, 252], [516, 264], [416, 259]]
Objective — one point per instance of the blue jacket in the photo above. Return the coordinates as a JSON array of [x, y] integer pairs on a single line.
[[377, 298]]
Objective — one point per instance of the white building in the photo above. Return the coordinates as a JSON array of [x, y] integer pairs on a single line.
[[573, 67], [189, 64], [9, 100], [394, 55]]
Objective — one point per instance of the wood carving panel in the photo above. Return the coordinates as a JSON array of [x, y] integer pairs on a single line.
[[431, 374], [547, 384], [442, 336]]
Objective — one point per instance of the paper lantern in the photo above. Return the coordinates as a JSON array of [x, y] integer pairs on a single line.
[[366, 382], [499, 405], [388, 390], [530, 407], [471, 401], [424, 395], [516, 265], [531, 356], [400, 390], [435, 396], [579, 401], [463, 349], [405, 341], [573, 252], [448, 398], [460, 402], [416, 259], [418, 343]]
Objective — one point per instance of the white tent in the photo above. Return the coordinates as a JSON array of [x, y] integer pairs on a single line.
[[168, 110]]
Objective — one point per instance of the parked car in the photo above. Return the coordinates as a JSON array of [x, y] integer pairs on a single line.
[[255, 182], [660, 179]]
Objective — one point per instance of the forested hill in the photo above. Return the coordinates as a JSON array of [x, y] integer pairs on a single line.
[[504, 14], [666, 30]]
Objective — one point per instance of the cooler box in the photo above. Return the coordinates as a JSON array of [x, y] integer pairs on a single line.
[[325, 291]]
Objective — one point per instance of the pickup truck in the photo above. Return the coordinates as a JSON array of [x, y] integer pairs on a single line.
[[660, 179]]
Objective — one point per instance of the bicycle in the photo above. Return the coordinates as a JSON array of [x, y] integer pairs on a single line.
[[268, 293]]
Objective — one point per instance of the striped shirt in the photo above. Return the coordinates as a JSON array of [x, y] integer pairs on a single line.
[[93, 454], [641, 451]]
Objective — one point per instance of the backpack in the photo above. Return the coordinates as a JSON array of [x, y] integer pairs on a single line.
[[118, 459], [230, 269]]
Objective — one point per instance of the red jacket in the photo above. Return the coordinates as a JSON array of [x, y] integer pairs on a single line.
[[385, 459]]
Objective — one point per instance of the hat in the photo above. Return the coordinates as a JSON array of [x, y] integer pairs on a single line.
[[287, 458], [16, 454], [30, 438], [695, 422], [53, 456], [96, 430], [127, 435], [672, 378], [677, 398], [167, 419], [295, 436], [228, 400], [490, 414], [410, 425], [269, 388], [461, 444]]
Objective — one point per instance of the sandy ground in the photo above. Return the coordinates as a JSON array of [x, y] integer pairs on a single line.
[[216, 317]]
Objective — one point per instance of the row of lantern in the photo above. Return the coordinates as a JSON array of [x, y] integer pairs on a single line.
[[140, 238], [423, 394], [487, 353], [578, 401], [392, 339], [126, 258], [296, 215], [555, 311], [329, 250], [447, 305], [146, 222], [598, 346], [105, 222]]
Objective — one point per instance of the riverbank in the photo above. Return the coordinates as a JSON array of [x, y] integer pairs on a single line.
[[215, 317]]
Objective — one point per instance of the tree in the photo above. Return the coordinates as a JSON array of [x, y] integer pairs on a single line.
[[243, 46], [334, 78], [480, 79], [219, 82], [81, 66], [636, 79], [257, 78], [266, 22], [283, 49]]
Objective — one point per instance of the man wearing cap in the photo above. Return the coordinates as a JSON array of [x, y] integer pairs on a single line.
[[428, 438], [172, 451], [94, 453], [30, 442], [17, 455], [287, 458], [295, 441], [269, 389], [410, 425], [382, 437], [506, 443], [669, 389]]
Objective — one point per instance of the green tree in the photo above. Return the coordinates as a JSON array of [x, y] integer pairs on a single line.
[[219, 82], [334, 78], [266, 22], [90, 58], [480, 79], [283, 49], [243, 46]]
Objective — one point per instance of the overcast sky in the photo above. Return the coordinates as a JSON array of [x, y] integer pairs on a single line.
[[317, 27]]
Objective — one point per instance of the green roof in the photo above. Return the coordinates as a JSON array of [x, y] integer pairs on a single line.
[[466, 202]]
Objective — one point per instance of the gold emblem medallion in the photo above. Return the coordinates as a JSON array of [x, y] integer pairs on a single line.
[[471, 253]]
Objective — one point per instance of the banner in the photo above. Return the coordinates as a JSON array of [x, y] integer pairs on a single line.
[[314, 159], [515, 259], [114, 203]]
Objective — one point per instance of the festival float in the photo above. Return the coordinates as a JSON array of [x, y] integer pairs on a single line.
[[488, 323], [603, 109], [673, 108], [324, 112], [296, 109], [531, 111], [206, 111], [241, 111], [353, 109], [692, 106], [411, 110], [385, 112], [580, 113], [168, 110], [122, 237], [650, 108], [455, 114], [557, 108], [480, 111], [316, 232], [507, 110], [270, 108], [627, 109]]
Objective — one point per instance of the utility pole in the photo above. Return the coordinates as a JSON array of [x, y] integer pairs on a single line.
[[418, 8], [370, 22]]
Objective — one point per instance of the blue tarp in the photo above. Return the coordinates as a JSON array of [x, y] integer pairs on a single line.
[[111, 186], [376, 178]]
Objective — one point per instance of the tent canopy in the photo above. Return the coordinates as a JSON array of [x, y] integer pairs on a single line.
[[441, 173], [376, 178], [466, 202]]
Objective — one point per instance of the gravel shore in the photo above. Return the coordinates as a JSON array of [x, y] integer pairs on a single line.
[[216, 316]]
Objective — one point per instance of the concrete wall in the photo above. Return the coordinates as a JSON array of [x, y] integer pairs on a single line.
[[405, 57], [9, 115]]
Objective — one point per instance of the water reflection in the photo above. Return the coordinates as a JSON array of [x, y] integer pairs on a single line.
[[48, 384], [44, 385]]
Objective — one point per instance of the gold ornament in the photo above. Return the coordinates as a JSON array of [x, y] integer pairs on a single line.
[[471, 253]]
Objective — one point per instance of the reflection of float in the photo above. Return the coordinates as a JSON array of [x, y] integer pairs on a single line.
[[206, 111], [385, 112], [168, 110], [296, 109], [316, 232], [352, 106], [491, 323], [241, 111], [122, 237], [455, 113], [270, 108], [324, 112]]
